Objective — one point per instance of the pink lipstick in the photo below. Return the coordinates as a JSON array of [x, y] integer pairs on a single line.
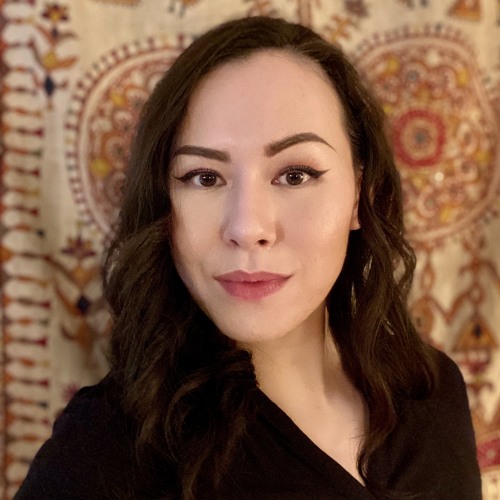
[[251, 286]]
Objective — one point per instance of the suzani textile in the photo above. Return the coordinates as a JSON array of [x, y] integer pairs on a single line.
[[74, 75]]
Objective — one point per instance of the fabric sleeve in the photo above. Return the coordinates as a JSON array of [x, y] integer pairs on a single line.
[[88, 455], [454, 435], [432, 452]]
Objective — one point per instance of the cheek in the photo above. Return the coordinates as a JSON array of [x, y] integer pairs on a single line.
[[184, 247], [190, 240], [194, 224], [321, 225], [194, 236]]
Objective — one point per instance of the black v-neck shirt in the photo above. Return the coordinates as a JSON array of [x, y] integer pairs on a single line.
[[430, 455]]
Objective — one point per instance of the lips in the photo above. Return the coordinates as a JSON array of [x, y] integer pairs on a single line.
[[251, 286]]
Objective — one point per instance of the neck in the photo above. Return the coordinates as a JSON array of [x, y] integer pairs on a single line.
[[302, 374], [299, 368]]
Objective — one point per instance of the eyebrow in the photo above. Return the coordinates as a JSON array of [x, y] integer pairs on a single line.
[[270, 150], [211, 154], [278, 146]]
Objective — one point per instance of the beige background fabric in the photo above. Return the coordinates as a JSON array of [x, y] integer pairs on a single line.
[[74, 75]]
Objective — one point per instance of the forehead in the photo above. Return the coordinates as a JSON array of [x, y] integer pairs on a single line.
[[271, 92]]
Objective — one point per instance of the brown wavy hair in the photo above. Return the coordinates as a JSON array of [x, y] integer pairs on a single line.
[[189, 389]]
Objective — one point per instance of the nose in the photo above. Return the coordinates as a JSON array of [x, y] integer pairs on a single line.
[[249, 217]]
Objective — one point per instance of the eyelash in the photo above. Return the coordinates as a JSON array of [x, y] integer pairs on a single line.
[[193, 173], [311, 172]]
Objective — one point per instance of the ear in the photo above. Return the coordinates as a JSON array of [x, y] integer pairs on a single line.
[[354, 219]]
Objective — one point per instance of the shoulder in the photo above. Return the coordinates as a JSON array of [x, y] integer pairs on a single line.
[[433, 447], [89, 452], [449, 378], [448, 404]]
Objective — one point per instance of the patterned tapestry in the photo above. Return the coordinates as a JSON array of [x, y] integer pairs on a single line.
[[74, 75]]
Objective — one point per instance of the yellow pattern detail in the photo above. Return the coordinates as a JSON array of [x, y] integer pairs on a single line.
[[100, 168]]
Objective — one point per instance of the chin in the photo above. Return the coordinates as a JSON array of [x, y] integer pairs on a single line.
[[251, 335]]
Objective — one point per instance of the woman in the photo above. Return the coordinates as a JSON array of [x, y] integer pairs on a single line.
[[261, 344]]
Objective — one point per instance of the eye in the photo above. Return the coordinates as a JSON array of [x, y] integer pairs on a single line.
[[202, 178], [295, 176]]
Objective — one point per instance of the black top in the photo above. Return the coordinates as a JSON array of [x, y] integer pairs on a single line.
[[431, 453]]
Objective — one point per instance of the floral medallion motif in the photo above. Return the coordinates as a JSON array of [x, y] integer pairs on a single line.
[[443, 129], [104, 111]]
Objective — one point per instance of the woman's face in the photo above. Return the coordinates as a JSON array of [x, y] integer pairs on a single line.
[[264, 195]]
